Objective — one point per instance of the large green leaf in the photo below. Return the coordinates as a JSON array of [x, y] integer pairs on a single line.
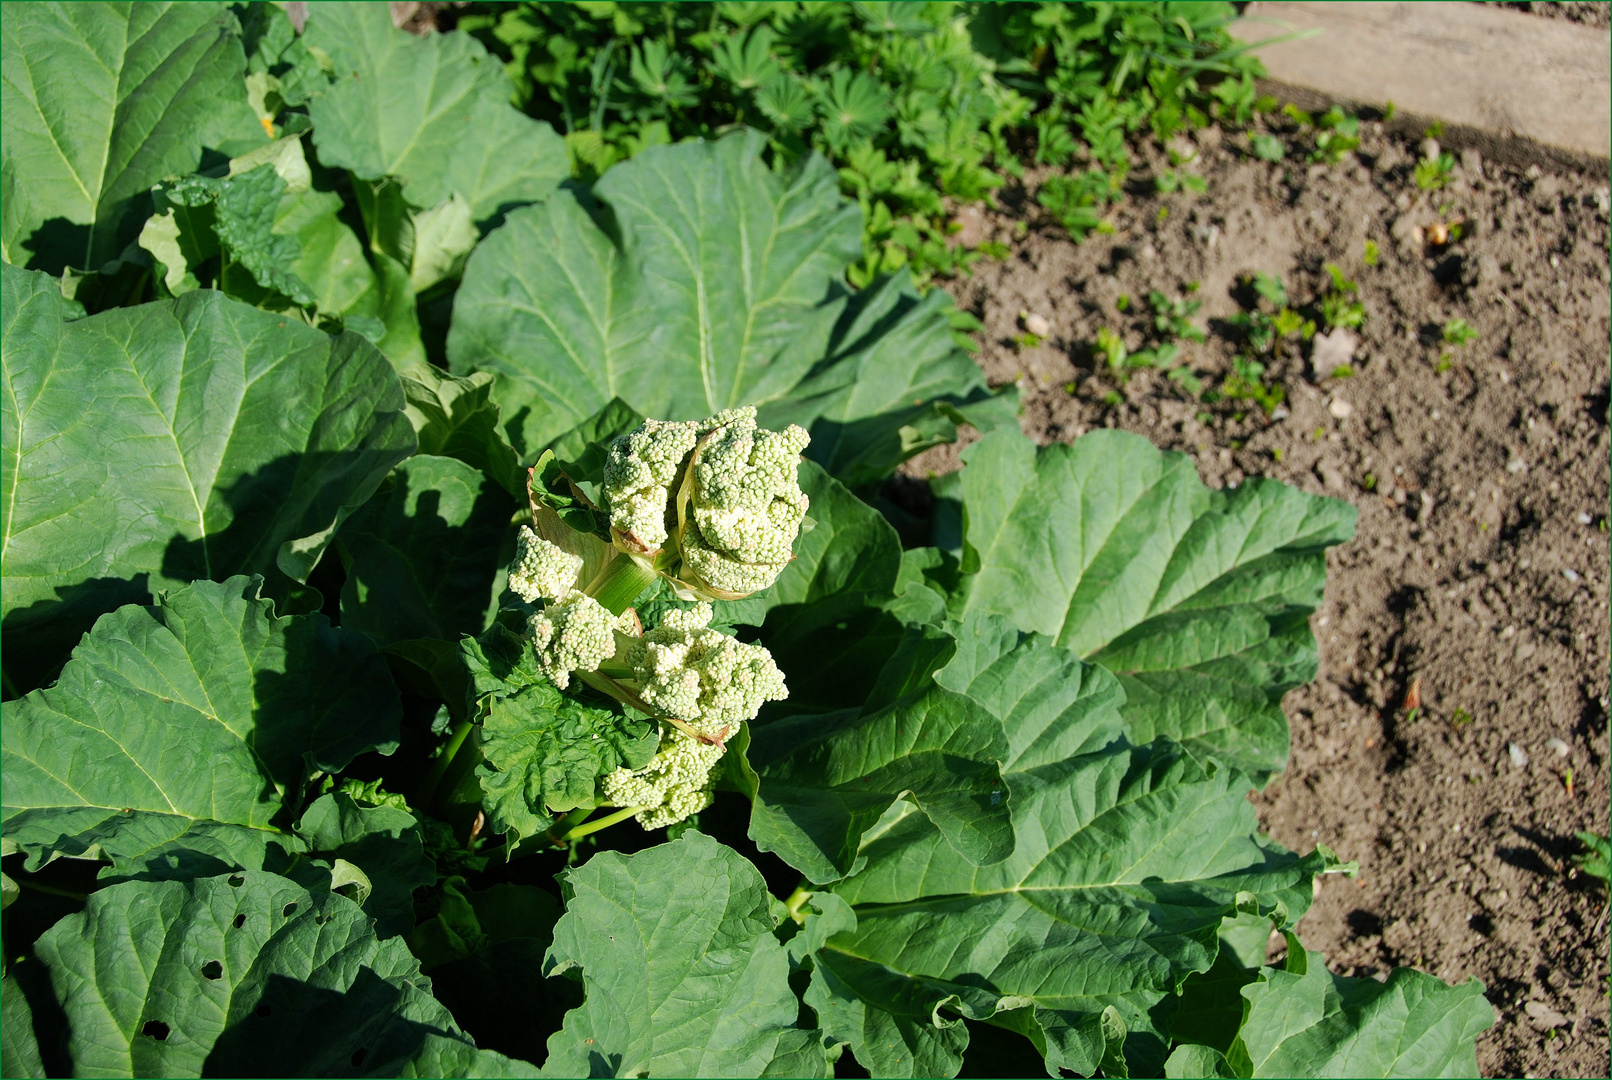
[[1197, 599], [892, 383], [100, 102], [682, 972], [712, 289], [1125, 862], [152, 445], [431, 111], [1310, 1022], [422, 554], [176, 730], [246, 974]]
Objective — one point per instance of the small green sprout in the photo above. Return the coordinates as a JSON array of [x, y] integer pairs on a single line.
[[1460, 718], [1343, 371], [1371, 253], [1124, 302], [1435, 130], [1111, 347], [1434, 173], [1389, 110], [1457, 332], [1277, 454], [1369, 481], [1267, 147]]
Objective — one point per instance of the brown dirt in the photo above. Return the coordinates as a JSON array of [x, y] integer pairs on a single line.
[[1597, 13], [1480, 568]]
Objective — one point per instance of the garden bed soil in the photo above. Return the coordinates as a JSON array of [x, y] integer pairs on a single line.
[[1479, 571]]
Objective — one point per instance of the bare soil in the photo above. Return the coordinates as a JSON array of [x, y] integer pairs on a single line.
[[1480, 570]]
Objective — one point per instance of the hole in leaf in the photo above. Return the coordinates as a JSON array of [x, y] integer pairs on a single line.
[[319, 920], [236, 881], [212, 970], [263, 1010], [155, 1029], [240, 921], [288, 909], [358, 1057]]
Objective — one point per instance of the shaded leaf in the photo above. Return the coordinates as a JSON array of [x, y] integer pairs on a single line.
[[176, 731], [382, 841], [422, 554]]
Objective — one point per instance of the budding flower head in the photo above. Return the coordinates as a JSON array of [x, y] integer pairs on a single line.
[[715, 502], [676, 783], [710, 681], [744, 508], [576, 633], [542, 570]]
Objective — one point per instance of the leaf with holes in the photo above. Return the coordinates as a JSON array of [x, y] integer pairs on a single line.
[[243, 974]]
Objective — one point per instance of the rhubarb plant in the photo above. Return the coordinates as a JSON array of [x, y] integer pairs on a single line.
[[522, 672]]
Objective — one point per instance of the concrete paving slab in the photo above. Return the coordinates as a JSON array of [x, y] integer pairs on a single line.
[[1515, 86]]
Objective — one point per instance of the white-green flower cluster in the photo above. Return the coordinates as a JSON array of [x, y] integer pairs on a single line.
[[676, 783], [542, 570], [641, 473], [708, 680], [720, 495], [574, 634], [745, 508]]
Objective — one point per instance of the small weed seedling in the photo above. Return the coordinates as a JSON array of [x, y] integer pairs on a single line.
[[1339, 136], [1433, 173], [1456, 334], [1267, 147], [1596, 858], [1341, 306], [1371, 254]]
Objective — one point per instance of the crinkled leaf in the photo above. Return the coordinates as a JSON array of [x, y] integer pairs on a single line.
[[545, 753], [238, 975], [1315, 1023], [891, 384], [382, 841], [1195, 598], [682, 973], [1125, 863], [422, 554], [175, 730], [455, 417], [712, 289], [244, 211], [99, 103], [189, 438], [402, 105]]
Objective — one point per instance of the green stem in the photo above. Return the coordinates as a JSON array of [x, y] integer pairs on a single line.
[[601, 823], [558, 830], [433, 779], [621, 582], [796, 901], [52, 890]]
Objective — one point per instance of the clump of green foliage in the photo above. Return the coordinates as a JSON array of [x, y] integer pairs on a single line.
[[917, 105]]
